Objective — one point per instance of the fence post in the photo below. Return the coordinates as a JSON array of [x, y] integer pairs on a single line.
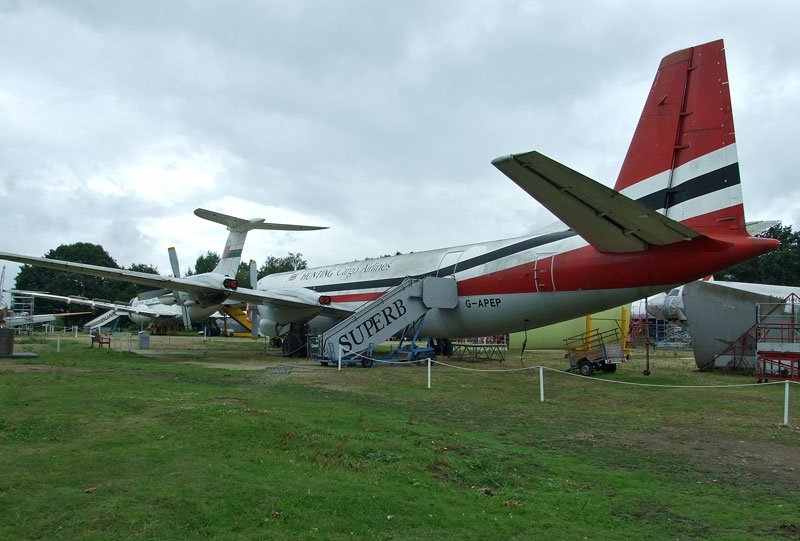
[[541, 383], [429, 372], [58, 344], [786, 404], [340, 357]]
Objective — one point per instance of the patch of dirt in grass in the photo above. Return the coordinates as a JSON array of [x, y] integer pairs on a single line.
[[227, 401], [13, 367], [723, 454], [229, 366]]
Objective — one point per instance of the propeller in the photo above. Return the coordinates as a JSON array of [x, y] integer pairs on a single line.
[[255, 317], [3, 306], [176, 272]]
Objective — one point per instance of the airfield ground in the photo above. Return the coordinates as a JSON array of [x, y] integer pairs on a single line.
[[221, 440]]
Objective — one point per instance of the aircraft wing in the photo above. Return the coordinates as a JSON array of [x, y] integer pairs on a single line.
[[199, 287], [289, 298], [608, 220], [117, 307]]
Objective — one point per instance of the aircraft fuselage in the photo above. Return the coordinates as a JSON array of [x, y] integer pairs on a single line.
[[513, 284]]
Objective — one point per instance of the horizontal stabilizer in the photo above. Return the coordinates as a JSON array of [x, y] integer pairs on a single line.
[[241, 225], [606, 219], [760, 227]]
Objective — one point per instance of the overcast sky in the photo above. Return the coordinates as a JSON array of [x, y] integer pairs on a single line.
[[378, 119]]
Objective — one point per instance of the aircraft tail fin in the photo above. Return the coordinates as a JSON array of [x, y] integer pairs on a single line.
[[682, 160], [3, 307], [238, 228]]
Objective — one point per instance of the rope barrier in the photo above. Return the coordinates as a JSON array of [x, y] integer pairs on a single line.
[[608, 380], [542, 368], [487, 369], [636, 384], [662, 385]]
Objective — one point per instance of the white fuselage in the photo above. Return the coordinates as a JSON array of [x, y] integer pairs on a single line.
[[487, 304]]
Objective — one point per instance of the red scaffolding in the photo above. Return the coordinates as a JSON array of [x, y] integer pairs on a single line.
[[778, 340]]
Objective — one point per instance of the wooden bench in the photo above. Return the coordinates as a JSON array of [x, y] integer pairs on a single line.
[[99, 339]]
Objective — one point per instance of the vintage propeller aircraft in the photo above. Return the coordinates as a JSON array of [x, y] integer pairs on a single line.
[[674, 215]]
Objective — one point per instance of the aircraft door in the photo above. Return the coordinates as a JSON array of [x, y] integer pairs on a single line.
[[543, 274], [448, 264]]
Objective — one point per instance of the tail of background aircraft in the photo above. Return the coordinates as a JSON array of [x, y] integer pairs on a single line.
[[3, 307], [238, 227], [682, 160]]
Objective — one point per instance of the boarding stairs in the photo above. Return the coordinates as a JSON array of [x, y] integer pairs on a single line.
[[101, 321], [675, 337], [399, 308], [240, 317]]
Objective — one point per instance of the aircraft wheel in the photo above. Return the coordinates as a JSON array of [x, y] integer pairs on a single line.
[[447, 351], [366, 362], [585, 368], [291, 346]]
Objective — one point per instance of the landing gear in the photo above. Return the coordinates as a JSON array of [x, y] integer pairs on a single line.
[[295, 343], [275, 342], [442, 346]]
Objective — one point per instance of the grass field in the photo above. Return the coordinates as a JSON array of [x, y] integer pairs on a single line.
[[209, 442]]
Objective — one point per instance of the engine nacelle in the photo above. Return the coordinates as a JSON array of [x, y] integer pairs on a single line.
[[216, 281], [230, 283]]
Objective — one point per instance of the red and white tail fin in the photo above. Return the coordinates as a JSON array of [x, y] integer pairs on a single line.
[[682, 160]]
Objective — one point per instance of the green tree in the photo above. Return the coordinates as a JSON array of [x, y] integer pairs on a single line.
[[68, 283], [206, 262], [124, 291], [272, 265], [243, 275], [779, 267]]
